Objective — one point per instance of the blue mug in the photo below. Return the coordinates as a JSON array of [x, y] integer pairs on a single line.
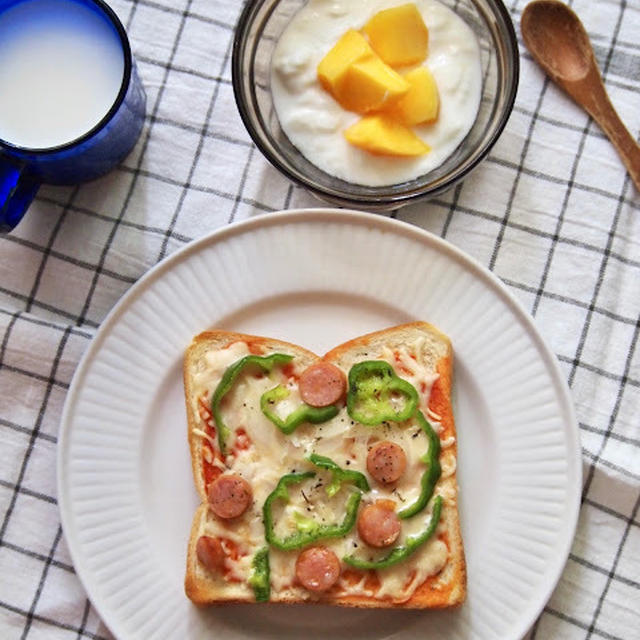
[[67, 119]]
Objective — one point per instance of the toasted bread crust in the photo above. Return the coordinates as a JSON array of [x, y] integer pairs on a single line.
[[447, 588]]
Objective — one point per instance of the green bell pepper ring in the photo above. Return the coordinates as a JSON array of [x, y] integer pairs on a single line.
[[308, 530], [259, 579], [304, 413], [373, 384], [266, 363], [431, 475], [339, 475], [402, 552]]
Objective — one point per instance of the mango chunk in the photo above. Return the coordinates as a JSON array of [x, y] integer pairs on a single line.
[[381, 135], [421, 103], [356, 77], [398, 35], [351, 48], [368, 85]]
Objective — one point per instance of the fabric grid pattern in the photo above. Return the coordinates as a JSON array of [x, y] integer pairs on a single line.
[[551, 212]]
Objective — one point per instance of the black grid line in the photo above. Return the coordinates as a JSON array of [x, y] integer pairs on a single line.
[[558, 226], [85, 617], [27, 430], [596, 458], [196, 157], [38, 593], [54, 623], [47, 250], [614, 436], [36, 376], [243, 181], [612, 573], [609, 511], [544, 234], [27, 492], [574, 302], [63, 313], [5, 338], [287, 200], [205, 131], [560, 124], [601, 372], [598, 569], [452, 208], [490, 160], [516, 181], [179, 12], [195, 187], [134, 6], [115, 275], [196, 73], [580, 348], [103, 257], [50, 253], [578, 186], [30, 319], [581, 625], [39, 556], [34, 434], [106, 218]]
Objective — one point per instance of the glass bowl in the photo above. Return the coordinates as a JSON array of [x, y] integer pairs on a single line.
[[258, 30]]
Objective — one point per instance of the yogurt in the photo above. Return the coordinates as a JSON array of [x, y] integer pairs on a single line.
[[314, 122]]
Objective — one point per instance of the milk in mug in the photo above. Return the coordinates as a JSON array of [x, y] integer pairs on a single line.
[[61, 69]]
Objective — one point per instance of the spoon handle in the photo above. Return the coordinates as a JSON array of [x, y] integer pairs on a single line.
[[596, 102], [623, 141]]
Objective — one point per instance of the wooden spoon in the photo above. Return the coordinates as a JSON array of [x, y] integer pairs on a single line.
[[558, 41]]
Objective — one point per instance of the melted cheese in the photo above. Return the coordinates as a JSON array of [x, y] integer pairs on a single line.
[[273, 454]]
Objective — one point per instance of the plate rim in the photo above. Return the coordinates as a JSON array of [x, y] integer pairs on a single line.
[[302, 215]]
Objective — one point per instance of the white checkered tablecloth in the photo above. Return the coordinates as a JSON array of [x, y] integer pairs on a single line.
[[551, 211]]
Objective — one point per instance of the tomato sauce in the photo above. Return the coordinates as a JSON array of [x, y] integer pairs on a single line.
[[439, 403], [242, 441]]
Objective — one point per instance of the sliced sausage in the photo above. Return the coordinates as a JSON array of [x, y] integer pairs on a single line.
[[378, 524], [317, 569], [322, 384], [229, 496], [386, 462], [210, 552]]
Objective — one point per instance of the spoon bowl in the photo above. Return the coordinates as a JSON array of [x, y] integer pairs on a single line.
[[558, 39], [559, 43]]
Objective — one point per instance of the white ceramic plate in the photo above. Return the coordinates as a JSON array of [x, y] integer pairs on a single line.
[[318, 278]]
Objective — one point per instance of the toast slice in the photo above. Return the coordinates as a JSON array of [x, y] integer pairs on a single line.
[[226, 555]]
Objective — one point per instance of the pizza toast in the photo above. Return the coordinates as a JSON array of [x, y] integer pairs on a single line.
[[324, 479]]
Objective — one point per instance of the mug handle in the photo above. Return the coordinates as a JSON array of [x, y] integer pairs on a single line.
[[18, 188]]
